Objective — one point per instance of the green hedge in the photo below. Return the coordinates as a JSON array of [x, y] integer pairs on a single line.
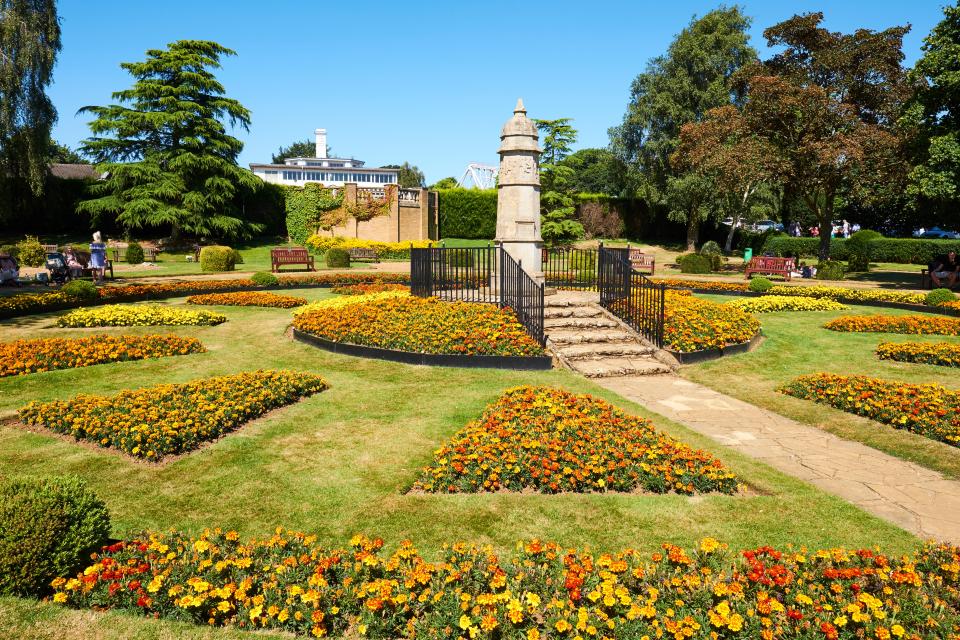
[[337, 258], [896, 250], [467, 213], [216, 258]]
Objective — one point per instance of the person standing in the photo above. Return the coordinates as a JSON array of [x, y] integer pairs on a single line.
[[98, 257]]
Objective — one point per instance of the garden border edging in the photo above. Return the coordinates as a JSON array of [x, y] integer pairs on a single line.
[[522, 363], [693, 357]]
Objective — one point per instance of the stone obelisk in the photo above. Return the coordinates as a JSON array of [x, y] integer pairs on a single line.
[[518, 193]]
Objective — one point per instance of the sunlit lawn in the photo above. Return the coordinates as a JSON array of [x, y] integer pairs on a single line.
[[795, 344], [338, 463]]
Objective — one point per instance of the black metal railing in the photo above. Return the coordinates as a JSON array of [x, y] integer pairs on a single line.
[[569, 268], [630, 295], [482, 274]]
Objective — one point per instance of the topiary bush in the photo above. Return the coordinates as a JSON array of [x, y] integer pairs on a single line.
[[939, 296], [760, 284], [264, 279], [134, 253], [48, 528], [30, 252], [694, 263], [858, 249], [831, 270], [237, 257], [712, 250], [81, 289], [337, 258], [216, 258]]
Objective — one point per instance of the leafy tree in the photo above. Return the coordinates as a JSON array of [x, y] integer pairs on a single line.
[[557, 207], [828, 152], [932, 118], [409, 176], [735, 162], [444, 183], [694, 76], [299, 149], [165, 148], [596, 171], [29, 43], [62, 154]]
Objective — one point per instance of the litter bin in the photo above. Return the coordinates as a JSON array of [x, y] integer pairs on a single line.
[[747, 254]]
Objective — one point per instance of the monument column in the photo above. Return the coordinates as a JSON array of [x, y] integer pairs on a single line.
[[518, 193]]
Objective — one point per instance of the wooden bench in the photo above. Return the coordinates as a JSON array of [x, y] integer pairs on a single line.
[[927, 283], [770, 267], [87, 274], [280, 256], [358, 253], [120, 254], [642, 262]]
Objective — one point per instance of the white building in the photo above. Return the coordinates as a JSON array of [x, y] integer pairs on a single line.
[[332, 172]]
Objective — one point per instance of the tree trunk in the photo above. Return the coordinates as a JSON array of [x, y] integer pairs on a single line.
[[826, 231], [693, 233], [728, 245]]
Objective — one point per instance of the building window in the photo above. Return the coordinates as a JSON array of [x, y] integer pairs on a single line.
[[292, 175]]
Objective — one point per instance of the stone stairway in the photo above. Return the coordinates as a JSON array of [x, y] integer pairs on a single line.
[[586, 339]]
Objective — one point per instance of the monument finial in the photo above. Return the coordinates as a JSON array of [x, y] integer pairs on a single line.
[[520, 108]]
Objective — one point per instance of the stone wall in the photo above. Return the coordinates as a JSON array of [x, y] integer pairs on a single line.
[[411, 218]]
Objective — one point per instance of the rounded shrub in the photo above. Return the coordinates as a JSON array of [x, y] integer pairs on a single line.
[[713, 251], [81, 290], [694, 263], [134, 253], [858, 249], [30, 252], [264, 279], [760, 284], [237, 257], [48, 528], [939, 296], [831, 270], [338, 258], [216, 258]]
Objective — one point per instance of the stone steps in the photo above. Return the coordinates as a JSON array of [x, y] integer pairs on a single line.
[[550, 312], [575, 336], [598, 322], [618, 367], [594, 350]]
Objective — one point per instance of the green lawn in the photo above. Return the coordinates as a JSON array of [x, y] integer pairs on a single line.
[[796, 344], [337, 463]]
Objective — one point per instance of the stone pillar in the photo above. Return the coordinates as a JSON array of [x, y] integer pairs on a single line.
[[518, 193]]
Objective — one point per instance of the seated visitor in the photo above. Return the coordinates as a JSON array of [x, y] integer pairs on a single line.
[[944, 267], [9, 269]]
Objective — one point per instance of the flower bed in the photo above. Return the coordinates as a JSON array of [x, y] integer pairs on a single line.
[[120, 315], [345, 301], [927, 409], [551, 441], [421, 325], [770, 304], [944, 354], [850, 295], [385, 250], [695, 324], [542, 591], [248, 299], [26, 303], [22, 357], [366, 288], [168, 419], [919, 325], [706, 285]]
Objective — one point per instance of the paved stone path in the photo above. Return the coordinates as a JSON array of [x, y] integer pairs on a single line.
[[913, 497]]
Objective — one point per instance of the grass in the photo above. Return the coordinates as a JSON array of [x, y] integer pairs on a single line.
[[339, 462], [796, 344]]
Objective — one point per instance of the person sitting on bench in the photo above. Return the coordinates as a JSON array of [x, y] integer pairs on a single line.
[[944, 267]]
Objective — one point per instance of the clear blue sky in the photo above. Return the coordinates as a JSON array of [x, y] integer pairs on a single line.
[[426, 82]]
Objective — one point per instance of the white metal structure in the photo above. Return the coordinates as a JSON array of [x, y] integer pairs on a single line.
[[481, 176]]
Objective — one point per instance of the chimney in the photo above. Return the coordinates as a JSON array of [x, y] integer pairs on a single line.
[[321, 143]]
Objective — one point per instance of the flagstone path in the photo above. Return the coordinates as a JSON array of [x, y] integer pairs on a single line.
[[918, 499]]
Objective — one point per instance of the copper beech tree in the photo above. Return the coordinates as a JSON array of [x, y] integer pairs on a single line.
[[736, 162]]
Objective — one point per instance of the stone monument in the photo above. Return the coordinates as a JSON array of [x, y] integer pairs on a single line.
[[518, 193]]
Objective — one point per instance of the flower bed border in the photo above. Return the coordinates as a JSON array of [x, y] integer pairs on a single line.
[[693, 357], [522, 363]]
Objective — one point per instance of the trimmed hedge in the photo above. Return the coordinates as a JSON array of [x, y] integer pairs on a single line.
[[216, 258], [896, 250], [338, 258], [467, 213], [264, 279], [48, 528], [81, 290], [695, 263]]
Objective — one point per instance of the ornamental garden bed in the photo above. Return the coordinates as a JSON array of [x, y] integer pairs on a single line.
[[248, 299], [288, 582], [551, 441], [396, 326], [696, 329], [23, 357], [930, 410], [943, 354], [119, 315], [169, 419], [917, 325]]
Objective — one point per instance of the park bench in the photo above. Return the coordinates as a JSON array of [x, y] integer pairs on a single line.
[[120, 254], [359, 253], [642, 262], [280, 256], [927, 283], [769, 266]]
